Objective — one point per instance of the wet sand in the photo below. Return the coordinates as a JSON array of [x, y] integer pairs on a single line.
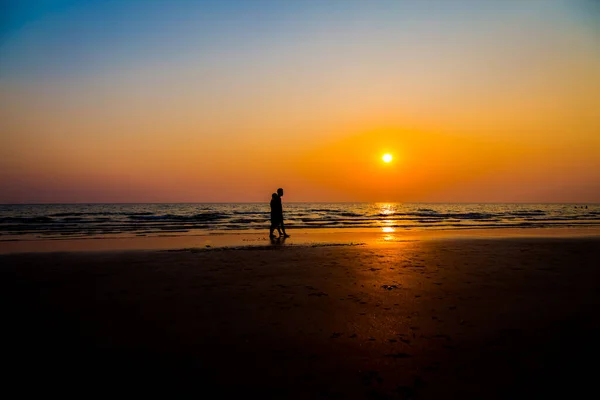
[[204, 239], [451, 318]]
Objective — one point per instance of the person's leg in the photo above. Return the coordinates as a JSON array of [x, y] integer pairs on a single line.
[[283, 229], [277, 224], [272, 228]]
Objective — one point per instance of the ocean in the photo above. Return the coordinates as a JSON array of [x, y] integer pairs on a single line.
[[52, 221]]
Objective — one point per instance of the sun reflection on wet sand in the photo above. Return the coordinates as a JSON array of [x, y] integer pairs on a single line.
[[390, 237]]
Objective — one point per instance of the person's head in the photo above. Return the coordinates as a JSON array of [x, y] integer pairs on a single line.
[[280, 192], [274, 196]]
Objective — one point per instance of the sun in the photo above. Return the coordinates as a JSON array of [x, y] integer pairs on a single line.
[[387, 158]]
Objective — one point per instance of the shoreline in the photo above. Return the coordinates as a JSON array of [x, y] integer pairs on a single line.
[[229, 239]]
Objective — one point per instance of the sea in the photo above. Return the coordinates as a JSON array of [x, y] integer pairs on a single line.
[[55, 221]]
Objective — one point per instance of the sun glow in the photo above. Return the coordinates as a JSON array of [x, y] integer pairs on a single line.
[[387, 158]]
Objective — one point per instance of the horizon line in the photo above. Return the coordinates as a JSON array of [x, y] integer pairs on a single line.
[[298, 202]]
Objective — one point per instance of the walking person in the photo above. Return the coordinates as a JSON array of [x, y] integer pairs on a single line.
[[277, 214]]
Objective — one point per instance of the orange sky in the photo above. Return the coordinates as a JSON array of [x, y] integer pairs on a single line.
[[479, 105]]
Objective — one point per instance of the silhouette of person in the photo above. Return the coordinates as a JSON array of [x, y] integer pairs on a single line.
[[277, 214]]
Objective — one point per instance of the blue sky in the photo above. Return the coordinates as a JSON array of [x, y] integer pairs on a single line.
[[64, 37]]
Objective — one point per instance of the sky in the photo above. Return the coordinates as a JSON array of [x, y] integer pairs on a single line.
[[225, 101]]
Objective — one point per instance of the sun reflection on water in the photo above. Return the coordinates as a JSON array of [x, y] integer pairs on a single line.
[[387, 225], [386, 209]]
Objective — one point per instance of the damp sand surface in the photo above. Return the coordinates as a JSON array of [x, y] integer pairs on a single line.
[[452, 318]]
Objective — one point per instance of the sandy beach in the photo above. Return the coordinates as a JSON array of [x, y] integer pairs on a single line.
[[429, 318]]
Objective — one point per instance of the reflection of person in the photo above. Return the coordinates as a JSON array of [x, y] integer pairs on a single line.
[[277, 214], [278, 241]]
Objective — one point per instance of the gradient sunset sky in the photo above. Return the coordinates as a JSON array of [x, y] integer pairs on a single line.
[[210, 101]]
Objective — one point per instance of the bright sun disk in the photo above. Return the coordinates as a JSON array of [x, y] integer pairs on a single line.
[[387, 157]]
